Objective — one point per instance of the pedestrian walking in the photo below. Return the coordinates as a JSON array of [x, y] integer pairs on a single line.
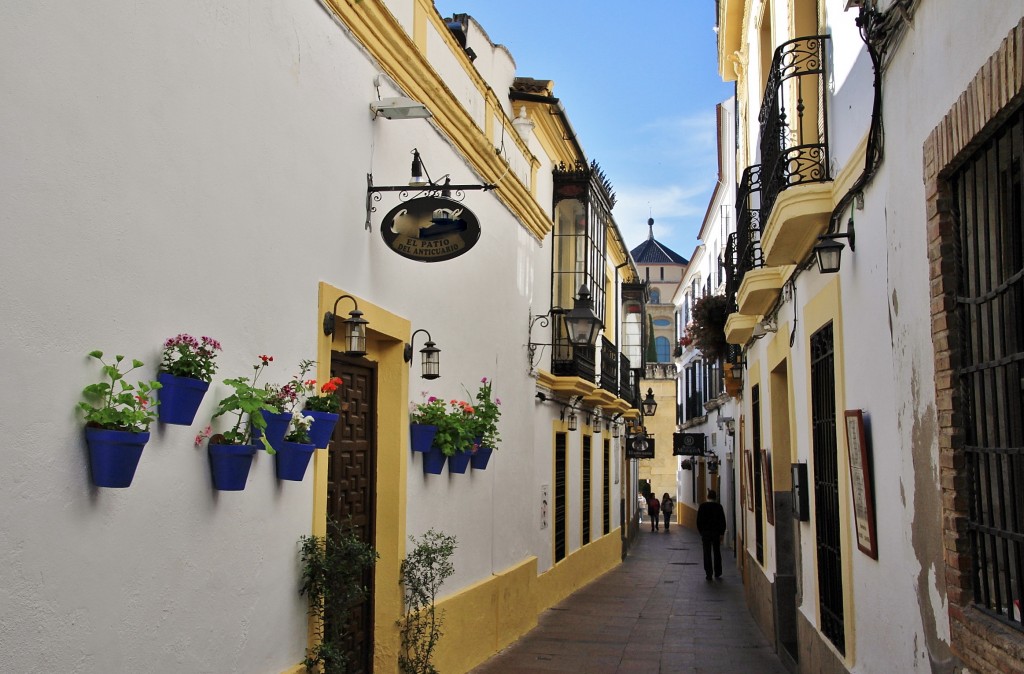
[[711, 526], [654, 510], [666, 509], [642, 506]]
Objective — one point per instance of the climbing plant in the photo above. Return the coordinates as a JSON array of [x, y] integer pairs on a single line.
[[708, 328]]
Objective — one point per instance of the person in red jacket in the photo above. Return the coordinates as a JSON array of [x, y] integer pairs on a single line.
[[654, 510], [711, 526]]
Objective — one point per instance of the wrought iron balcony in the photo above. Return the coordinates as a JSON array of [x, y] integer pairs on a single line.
[[572, 361], [748, 226], [794, 120], [609, 379], [629, 382], [693, 407]]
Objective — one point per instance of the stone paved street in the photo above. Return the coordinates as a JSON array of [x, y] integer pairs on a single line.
[[654, 613]]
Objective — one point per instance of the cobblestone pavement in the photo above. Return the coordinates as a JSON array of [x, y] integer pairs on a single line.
[[655, 613]]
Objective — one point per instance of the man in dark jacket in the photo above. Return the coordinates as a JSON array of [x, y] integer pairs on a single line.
[[711, 526]]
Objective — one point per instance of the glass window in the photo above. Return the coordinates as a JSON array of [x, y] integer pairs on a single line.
[[663, 349], [655, 296]]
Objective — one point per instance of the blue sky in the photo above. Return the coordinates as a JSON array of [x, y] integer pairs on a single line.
[[639, 81]]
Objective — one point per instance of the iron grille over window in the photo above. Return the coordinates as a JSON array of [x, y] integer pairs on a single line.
[[826, 487], [585, 506], [794, 120], [560, 495], [606, 467], [989, 191], [755, 427]]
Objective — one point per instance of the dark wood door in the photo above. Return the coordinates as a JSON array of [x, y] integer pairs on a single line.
[[351, 482]]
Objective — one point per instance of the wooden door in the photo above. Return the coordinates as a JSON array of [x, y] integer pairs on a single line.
[[351, 486]]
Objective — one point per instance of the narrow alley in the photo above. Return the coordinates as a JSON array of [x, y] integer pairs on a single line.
[[654, 613]]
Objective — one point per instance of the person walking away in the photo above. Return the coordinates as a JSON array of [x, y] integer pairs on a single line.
[[711, 526], [666, 509], [653, 509], [642, 506]]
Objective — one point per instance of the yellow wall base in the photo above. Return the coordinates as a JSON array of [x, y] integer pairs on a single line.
[[687, 516], [486, 617]]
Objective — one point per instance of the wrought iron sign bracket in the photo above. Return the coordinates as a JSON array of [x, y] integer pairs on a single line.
[[407, 192]]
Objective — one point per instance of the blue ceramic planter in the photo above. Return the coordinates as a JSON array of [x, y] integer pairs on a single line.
[[114, 456], [229, 465], [480, 457], [421, 437], [433, 461], [277, 427], [322, 431], [459, 462], [292, 460], [179, 398]]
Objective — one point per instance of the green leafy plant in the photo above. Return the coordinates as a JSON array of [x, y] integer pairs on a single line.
[[431, 412], [421, 574], [298, 428], [186, 356], [486, 413], [333, 568], [246, 403], [456, 423], [116, 404], [708, 328]]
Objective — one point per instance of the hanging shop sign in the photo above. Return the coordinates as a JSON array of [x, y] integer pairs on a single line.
[[687, 444], [640, 447], [430, 229]]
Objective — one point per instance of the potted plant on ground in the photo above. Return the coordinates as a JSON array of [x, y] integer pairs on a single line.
[[295, 450], [485, 431], [332, 580], [185, 373], [117, 419], [231, 452], [421, 575]]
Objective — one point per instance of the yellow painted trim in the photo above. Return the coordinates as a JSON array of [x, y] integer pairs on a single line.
[[567, 386], [739, 328], [386, 337], [550, 133], [600, 398], [295, 669], [760, 289], [730, 36], [398, 56], [422, 9], [824, 307]]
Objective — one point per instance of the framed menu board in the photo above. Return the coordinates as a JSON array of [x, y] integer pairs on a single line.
[[860, 483]]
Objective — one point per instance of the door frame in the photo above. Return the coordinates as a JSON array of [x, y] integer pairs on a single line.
[[386, 336]]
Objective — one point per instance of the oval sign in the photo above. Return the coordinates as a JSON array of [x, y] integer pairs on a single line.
[[430, 229]]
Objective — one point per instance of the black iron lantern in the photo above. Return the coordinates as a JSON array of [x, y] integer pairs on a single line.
[[581, 321], [573, 420], [430, 356], [829, 253], [649, 405], [354, 337]]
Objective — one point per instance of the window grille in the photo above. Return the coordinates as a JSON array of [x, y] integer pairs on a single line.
[[606, 469], [988, 194], [585, 509], [560, 500], [826, 487], [755, 426]]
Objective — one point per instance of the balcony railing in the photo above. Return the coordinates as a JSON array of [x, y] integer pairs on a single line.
[[748, 224], [609, 380], [629, 382], [794, 120], [572, 361], [694, 406]]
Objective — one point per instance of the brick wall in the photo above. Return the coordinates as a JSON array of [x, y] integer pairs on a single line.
[[983, 643]]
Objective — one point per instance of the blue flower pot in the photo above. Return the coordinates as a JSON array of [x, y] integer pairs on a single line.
[[229, 465], [114, 455], [293, 459], [433, 461], [179, 398], [421, 437], [459, 462], [322, 430], [277, 427], [480, 457]]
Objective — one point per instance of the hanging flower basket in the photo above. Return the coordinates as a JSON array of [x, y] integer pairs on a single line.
[[480, 456], [180, 398], [229, 465], [421, 436], [114, 455], [459, 462], [292, 460], [433, 461], [322, 431], [277, 426]]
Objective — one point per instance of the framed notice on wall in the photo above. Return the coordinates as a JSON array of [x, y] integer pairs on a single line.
[[860, 483], [766, 479]]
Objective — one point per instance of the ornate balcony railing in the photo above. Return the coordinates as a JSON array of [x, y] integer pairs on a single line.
[[572, 361], [609, 379], [629, 382], [794, 120], [748, 224]]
